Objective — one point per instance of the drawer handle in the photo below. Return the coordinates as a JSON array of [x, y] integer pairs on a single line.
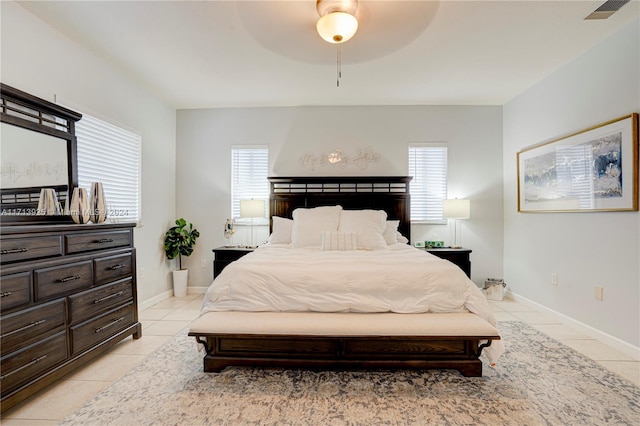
[[104, 327], [103, 240], [26, 327], [118, 266], [29, 364], [69, 278], [6, 294], [15, 250], [102, 299]]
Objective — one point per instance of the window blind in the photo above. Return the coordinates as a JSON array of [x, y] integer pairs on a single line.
[[111, 155], [249, 169], [428, 167]]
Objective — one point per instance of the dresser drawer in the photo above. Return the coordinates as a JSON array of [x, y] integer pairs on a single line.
[[21, 249], [113, 267], [92, 332], [95, 301], [24, 327], [63, 279], [29, 363], [78, 243], [15, 290]]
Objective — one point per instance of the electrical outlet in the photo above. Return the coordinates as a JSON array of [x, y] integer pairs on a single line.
[[141, 273], [598, 292], [203, 263], [554, 278]]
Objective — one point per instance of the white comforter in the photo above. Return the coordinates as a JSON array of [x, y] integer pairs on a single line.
[[400, 279]]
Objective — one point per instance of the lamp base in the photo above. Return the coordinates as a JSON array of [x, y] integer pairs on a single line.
[[456, 234]]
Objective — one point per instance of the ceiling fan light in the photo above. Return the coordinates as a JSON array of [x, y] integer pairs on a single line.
[[337, 27]]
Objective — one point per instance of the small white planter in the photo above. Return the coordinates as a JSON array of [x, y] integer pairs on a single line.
[[180, 279]]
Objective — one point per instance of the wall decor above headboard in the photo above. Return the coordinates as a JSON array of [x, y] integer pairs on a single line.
[[38, 151], [388, 193], [338, 158]]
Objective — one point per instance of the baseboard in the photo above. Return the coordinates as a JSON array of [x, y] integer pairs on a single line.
[[167, 294], [156, 299], [607, 339]]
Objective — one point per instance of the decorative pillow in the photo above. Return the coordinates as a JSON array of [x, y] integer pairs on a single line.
[[334, 240], [281, 233], [391, 231], [369, 226], [391, 234], [308, 225]]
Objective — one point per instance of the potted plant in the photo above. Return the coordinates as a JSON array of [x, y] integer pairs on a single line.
[[179, 241]]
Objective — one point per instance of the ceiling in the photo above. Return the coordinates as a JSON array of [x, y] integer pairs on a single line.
[[202, 54]]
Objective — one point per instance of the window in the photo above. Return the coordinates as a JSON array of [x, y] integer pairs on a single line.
[[249, 169], [428, 188], [111, 155]]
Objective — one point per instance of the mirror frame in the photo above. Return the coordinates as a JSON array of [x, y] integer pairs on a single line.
[[21, 109]]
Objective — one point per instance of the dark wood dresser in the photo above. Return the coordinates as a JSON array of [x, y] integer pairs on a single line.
[[68, 295]]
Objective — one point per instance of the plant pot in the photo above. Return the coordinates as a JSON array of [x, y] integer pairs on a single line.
[[180, 279]]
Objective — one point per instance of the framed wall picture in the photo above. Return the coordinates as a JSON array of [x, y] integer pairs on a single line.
[[593, 170]]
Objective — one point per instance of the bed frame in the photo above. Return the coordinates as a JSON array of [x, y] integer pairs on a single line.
[[226, 346]]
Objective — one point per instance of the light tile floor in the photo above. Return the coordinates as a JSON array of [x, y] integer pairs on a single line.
[[608, 357], [163, 320]]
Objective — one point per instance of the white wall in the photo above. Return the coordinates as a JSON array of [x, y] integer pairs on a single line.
[[39, 60], [585, 249], [474, 134]]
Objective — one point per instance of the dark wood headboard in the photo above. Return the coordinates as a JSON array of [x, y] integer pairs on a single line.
[[388, 193]]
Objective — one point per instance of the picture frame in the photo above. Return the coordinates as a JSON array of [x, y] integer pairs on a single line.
[[593, 170]]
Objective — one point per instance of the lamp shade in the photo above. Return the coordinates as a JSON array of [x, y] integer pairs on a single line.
[[337, 27], [252, 208], [456, 209]]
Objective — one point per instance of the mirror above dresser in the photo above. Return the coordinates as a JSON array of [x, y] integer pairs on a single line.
[[38, 150]]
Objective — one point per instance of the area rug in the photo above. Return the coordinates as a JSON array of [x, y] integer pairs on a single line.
[[538, 381]]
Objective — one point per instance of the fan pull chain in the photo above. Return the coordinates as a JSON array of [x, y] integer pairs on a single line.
[[338, 66]]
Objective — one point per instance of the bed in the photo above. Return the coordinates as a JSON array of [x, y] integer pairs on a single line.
[[339, 287]]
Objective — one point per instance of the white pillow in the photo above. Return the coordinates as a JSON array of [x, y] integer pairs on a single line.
[[281, 233], [391, 234], [308, 225], [334, 240], [368, 225], [391, 231]]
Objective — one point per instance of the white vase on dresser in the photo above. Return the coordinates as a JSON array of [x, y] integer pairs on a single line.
[[98, 203], [79, 206]]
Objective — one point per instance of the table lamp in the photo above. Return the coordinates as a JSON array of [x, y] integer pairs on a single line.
[[455, 210], [252, 209]]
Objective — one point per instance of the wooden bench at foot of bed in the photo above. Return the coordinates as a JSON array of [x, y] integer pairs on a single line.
[[343, 340]]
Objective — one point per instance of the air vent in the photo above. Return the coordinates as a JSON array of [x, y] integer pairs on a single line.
[[607, 9]]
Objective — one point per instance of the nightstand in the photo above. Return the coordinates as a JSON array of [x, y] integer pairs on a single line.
[[225, 255], [459, 257]]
